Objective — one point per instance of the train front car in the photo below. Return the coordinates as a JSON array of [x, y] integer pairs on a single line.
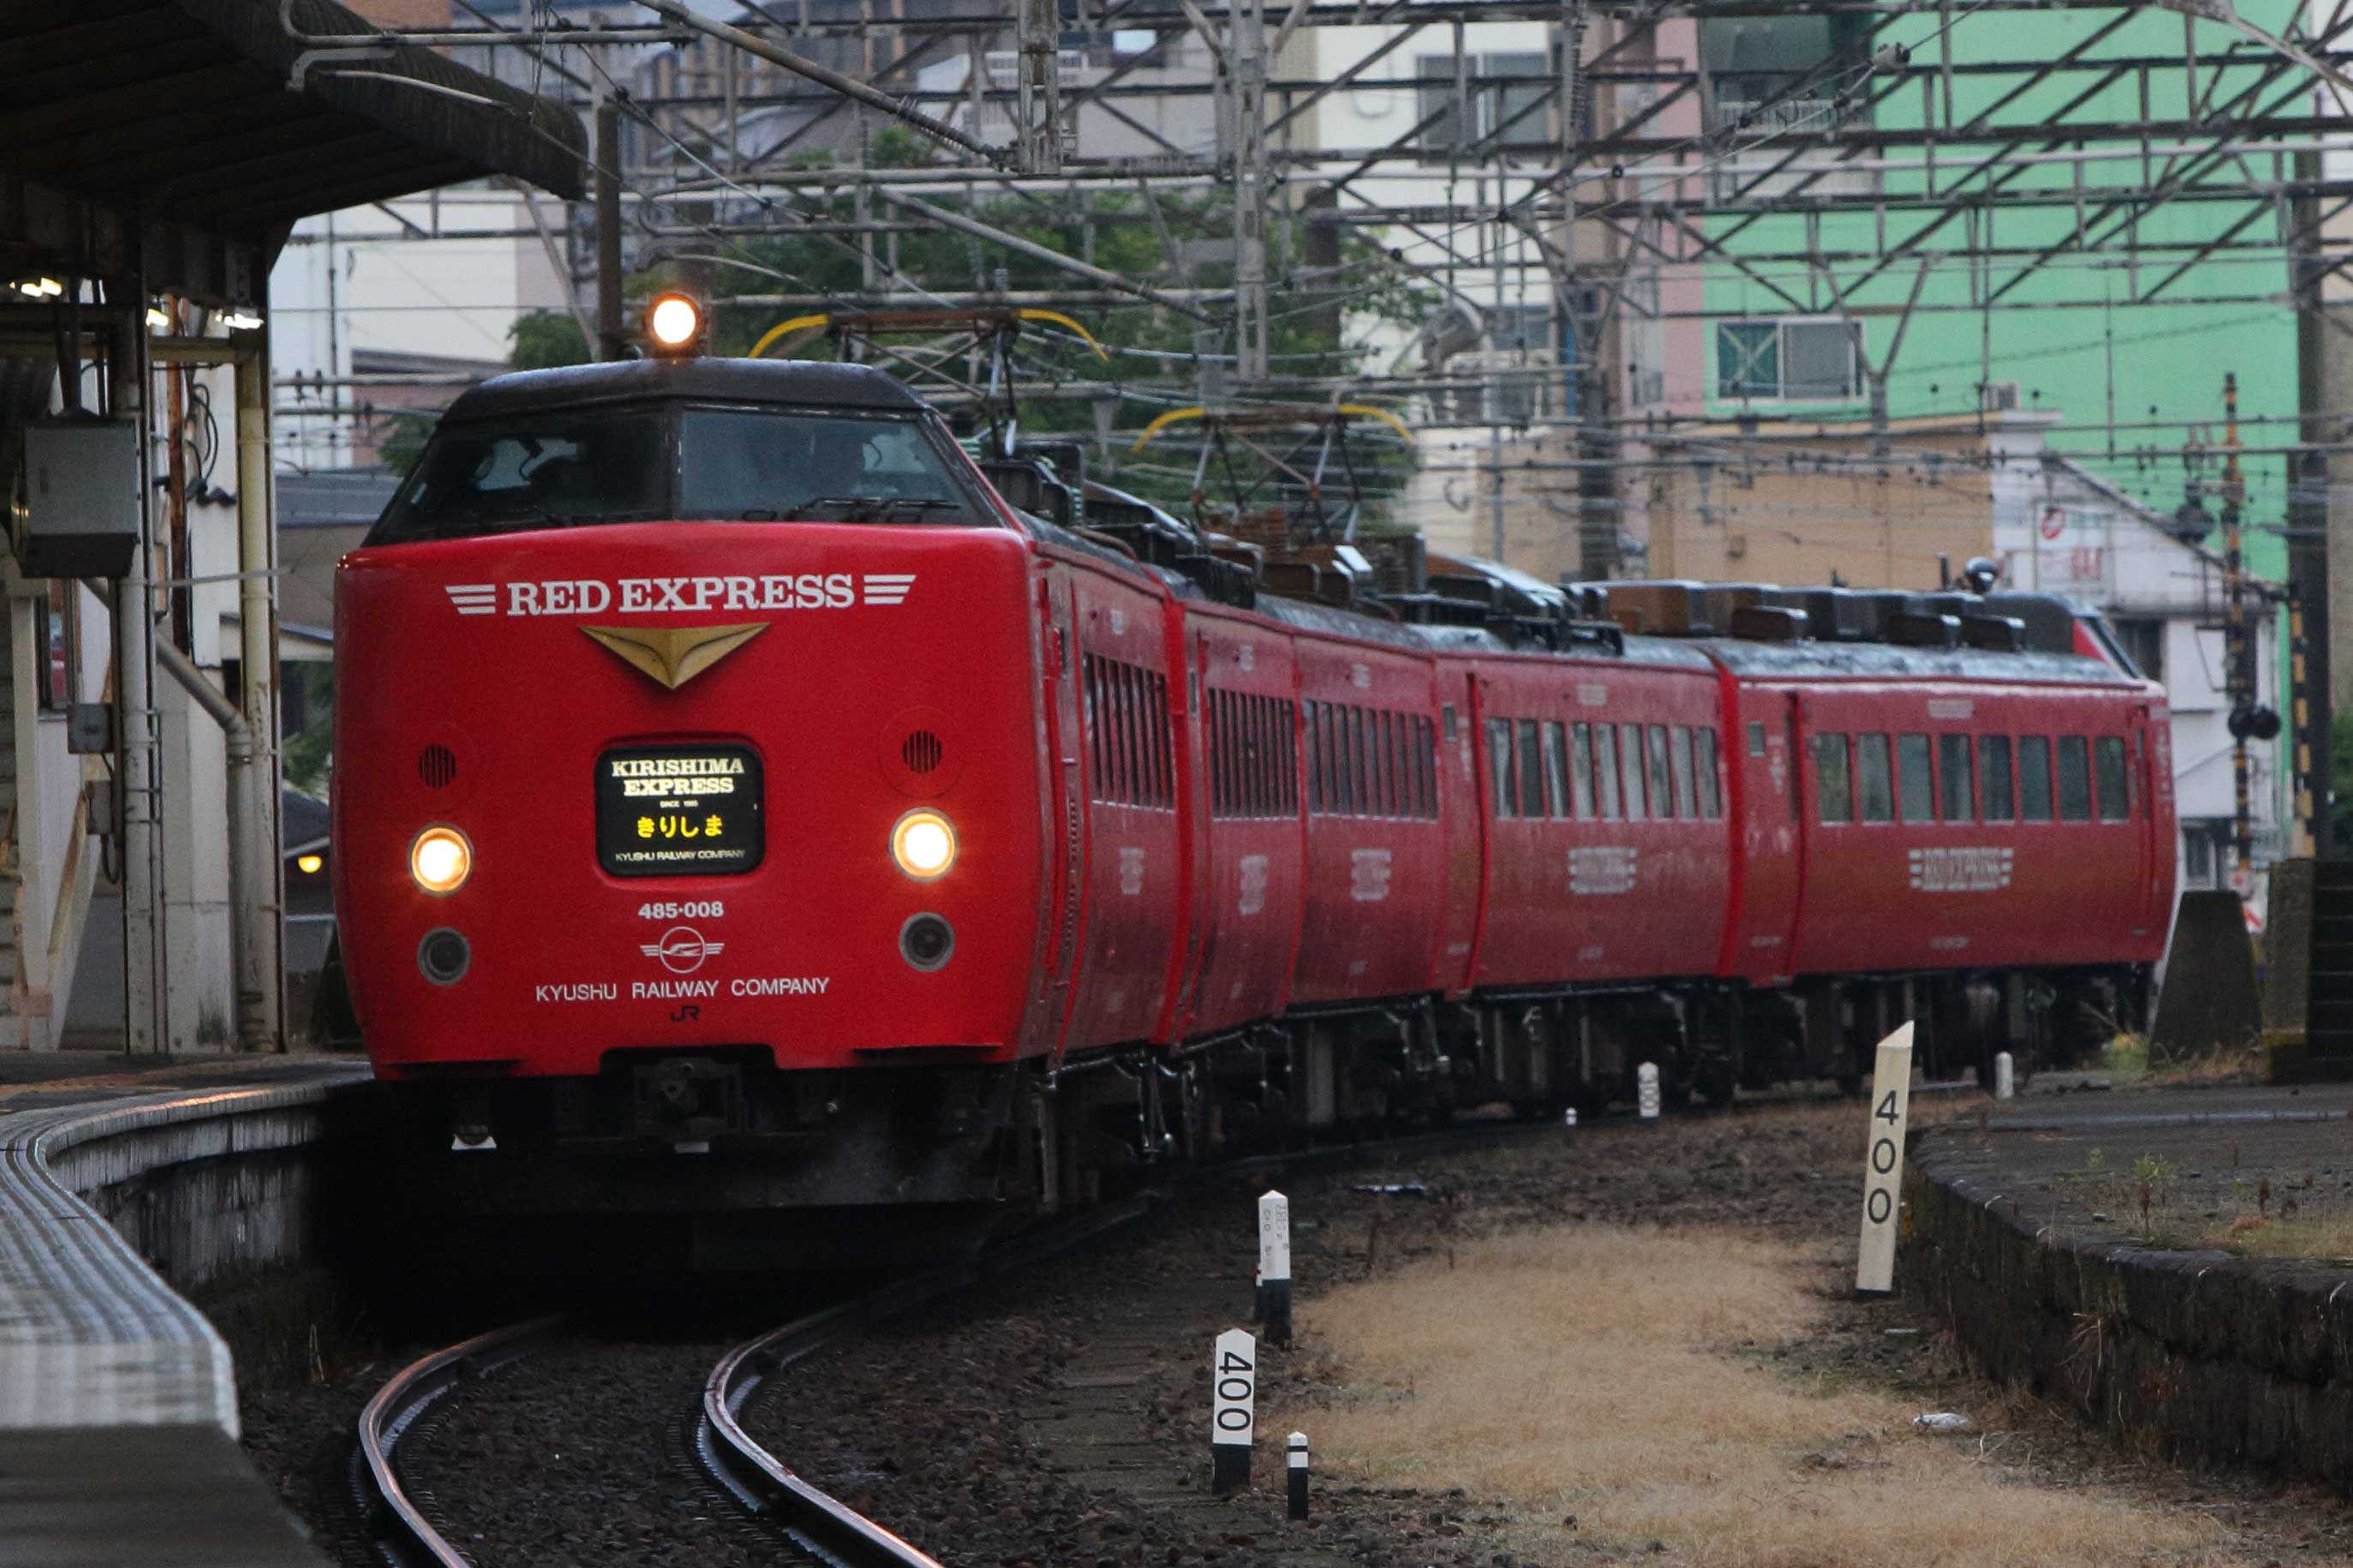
[[687, 806]]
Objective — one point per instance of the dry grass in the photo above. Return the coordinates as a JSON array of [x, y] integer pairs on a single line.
[[1599, 1372], [2327, 1236]]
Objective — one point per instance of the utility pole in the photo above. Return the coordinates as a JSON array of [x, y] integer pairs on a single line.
[[1246, 63], [612, 340], [1038, 33], [2237, 666], [2307, 535]]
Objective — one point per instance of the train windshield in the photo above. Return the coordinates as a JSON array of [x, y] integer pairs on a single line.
[[571, 467]]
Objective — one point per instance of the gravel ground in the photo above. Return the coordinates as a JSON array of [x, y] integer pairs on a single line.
[[940, 1424]]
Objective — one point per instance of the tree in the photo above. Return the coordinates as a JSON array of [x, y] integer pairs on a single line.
[[546, 339]]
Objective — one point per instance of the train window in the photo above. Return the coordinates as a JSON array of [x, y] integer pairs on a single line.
[[543, 470], [1499, 767], [1605, 768], [1875, 785], [1954, 775], [1368, 739], [1531, 760], [1662, 800], [1630, 769], [764, 466], [2075, 779], [1446, 713], [1755, 738], [1918, 800], [1834, 786], [1160, 742], [1993, 776], [1711, 784], [1679, 755], [2108, 756], [1580, 769], [2034, 778], [1556, 768]]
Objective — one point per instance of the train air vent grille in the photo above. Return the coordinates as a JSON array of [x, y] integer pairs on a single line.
[[438, 766], [921, 751]]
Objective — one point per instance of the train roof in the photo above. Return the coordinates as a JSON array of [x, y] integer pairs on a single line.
[[801, 383], [1867, 661]]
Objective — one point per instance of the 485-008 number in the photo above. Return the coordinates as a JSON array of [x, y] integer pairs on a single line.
[[710, 909]]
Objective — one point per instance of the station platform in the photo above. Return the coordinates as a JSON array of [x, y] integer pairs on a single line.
[[118, 1401], [2174, 1262]]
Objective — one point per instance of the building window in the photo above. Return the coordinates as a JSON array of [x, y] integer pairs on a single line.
[[1775, 73], [2143, 639], [1797, 361], [1504, 107]]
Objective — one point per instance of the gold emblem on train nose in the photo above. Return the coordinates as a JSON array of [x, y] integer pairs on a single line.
[[673, 654]]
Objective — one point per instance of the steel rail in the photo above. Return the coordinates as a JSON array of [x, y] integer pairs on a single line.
[[395, 1526]]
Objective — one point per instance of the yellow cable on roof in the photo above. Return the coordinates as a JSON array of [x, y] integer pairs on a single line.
[[786, 328]]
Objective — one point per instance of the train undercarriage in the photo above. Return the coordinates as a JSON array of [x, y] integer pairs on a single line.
[[722, 1162]]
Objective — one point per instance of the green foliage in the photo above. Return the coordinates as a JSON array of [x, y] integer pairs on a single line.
[[1151, 348], [309, 752], [2341, 776], [546, 340], [404, 440]]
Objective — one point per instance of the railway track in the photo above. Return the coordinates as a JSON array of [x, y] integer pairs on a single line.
[[399, 1525], [398, 1529]]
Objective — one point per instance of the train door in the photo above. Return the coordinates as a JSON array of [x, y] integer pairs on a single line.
[[1461, 809], [2152, 781], [1048, 1009], [1772, 828], [1190, 654]]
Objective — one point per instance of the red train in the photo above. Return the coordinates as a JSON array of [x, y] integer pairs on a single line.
[[743, 813]]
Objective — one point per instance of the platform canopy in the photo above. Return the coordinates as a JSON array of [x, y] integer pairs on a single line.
[[196, 132]]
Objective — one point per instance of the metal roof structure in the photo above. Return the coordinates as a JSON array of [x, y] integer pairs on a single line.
[[219, 123]]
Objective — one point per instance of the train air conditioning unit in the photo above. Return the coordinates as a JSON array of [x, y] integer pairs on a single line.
[[1998, 396]]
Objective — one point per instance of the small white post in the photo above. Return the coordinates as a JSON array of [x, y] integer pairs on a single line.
[[1274, 1265], [1882, 1168], [1233, 1410], [2005, 1082], [1297, 1462], [1646, 1093], [1568, 1125]]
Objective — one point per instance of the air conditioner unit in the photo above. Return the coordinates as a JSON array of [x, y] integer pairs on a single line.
[[1998, 396]]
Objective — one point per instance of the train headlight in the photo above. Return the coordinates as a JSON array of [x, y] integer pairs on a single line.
[[440, 859], [923, 844], [674, 324]]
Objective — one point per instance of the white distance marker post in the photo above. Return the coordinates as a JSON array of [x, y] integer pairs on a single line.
[[2005, 1080], [1297, 1465], [1646, 1093], [1274, 1267], [1882, 1167], [1233, 1410]]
